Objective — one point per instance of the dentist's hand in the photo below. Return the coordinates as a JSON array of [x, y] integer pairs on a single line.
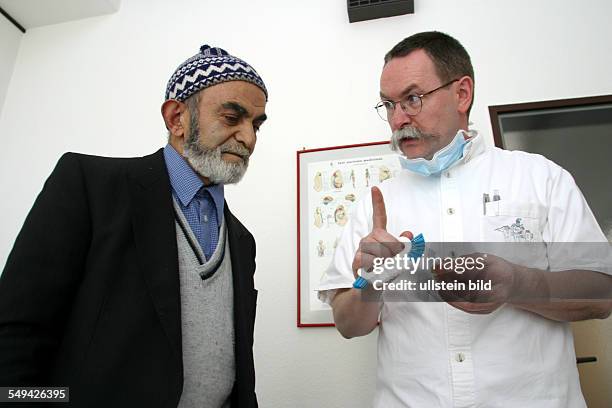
[[502, 275], [378, 244]]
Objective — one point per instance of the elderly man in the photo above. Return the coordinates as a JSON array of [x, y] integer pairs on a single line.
[[490, 351], [131, 281]]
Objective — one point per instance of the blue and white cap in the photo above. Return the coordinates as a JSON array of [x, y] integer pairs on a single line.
[[211, 66]]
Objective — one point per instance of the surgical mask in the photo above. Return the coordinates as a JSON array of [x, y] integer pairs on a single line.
[[441, 160]]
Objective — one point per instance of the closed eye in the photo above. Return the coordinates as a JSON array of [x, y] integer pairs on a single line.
[[231, 120], [257, 125]]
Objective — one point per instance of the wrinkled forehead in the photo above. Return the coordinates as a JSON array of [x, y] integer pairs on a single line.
[[411, 73], [245, 94]]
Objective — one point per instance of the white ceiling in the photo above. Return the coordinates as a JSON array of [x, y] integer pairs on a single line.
[[36, 13]]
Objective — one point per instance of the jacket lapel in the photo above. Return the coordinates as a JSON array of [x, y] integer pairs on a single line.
[[155, 238], [241, 251]]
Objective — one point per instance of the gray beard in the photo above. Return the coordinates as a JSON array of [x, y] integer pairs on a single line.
[[407, 132], [209, 163]]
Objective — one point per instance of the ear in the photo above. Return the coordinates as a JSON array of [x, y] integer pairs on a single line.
[[465, 94], [176, 115]]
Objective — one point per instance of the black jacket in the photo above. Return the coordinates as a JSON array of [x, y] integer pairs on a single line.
[[89, 297]]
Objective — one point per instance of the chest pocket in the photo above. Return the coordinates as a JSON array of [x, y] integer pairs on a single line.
[[511, 221]]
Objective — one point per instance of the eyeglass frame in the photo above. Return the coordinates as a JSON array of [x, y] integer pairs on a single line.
[[400, 102]]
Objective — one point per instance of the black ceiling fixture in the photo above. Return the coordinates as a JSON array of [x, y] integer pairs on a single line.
[[361, 10]]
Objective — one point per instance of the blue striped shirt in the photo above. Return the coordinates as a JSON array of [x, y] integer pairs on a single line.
[[202, 205]]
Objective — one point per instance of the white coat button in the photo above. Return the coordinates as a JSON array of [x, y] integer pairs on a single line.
[[450, 211], [460, 357]]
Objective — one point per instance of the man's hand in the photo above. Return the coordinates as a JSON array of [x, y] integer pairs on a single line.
[[378, 243], [353, 315], [563, 296], [502, 274]]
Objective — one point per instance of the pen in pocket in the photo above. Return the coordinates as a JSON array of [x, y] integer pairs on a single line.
[[485, 200], [496, 198]]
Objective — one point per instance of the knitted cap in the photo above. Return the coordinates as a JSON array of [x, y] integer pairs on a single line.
[[211, 66]]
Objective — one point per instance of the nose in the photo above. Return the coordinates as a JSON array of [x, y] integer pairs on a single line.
[[399, 118], [247, 136]]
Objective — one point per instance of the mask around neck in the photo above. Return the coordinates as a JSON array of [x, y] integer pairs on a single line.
[[441, 160]]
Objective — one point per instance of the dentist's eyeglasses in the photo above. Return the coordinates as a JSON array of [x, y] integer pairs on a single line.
[[411, 104]]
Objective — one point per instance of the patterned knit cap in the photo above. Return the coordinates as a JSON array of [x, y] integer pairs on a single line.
[[211, 66]]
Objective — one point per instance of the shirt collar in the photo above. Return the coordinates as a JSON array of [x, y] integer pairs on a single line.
[[186, 183], [474, 147]]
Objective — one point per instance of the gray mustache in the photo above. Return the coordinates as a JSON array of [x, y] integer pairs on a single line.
[[408, 133], [404, 133], [237, 150]]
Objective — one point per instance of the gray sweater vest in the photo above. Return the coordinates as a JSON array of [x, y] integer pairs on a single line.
[[207, 317]]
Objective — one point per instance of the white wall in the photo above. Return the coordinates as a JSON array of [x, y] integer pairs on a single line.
[[96, 86], [9, 45]]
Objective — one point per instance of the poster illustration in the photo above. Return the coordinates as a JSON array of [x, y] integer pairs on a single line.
[[330, 182]]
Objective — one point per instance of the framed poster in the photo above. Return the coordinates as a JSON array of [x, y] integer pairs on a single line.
[[329, 182], [574, 133]]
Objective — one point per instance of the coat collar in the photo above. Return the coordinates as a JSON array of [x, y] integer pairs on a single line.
[[155, 238]]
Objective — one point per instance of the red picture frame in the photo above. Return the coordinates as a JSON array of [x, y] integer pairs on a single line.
[[338, 159]]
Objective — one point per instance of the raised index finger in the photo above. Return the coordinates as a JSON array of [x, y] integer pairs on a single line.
[[379, 213]]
